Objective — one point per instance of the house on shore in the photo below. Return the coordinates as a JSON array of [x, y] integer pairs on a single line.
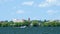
[[18, 20]]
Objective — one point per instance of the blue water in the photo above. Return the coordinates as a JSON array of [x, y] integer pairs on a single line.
[[30, 30]]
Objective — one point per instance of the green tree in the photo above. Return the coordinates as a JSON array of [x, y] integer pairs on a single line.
[[35, 23]]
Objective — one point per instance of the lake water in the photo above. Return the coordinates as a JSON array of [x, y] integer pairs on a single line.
[[30, 30]]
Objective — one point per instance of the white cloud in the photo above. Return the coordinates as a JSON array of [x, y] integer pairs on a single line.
[[14, 7], [43, 5], [30, 3], [51, 1], [5, 0], [52, 12], [35, 18], [20, 12], [48, 3]]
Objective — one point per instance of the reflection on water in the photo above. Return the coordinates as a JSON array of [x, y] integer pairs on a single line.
[[30, 30]]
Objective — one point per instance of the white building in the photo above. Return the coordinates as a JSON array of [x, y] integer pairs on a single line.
[[18, 20]]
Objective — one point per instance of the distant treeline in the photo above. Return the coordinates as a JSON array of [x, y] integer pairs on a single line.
[[35, 23]]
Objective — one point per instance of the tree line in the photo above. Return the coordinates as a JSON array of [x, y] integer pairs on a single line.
[[35, 23]]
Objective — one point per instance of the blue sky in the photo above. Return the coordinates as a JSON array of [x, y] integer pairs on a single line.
[[35, 9]]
